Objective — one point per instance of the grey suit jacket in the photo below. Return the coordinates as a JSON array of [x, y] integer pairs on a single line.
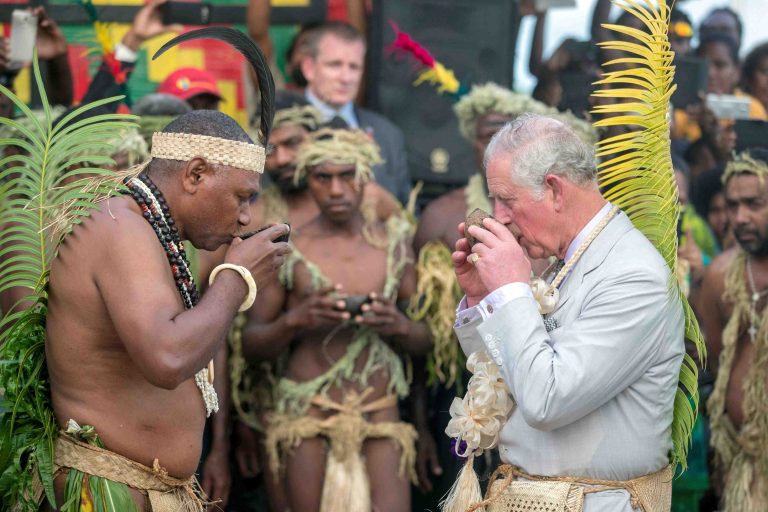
[[393, 174], [595, 395]]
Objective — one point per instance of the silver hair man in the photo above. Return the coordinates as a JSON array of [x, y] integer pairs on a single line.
[[591, 352], [542, 146]]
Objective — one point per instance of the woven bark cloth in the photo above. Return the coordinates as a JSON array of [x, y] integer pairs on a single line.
[[649, 493], [165, 493]]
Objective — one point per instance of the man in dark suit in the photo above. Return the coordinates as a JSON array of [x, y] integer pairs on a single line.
[[334, 70]]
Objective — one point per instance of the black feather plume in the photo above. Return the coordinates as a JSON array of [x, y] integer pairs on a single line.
[[250, 51]]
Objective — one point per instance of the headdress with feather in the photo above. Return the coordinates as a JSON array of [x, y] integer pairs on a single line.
[[435, 73], [255, 58], [40, 191]]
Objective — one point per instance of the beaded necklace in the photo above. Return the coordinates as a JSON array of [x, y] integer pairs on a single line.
[[755, 318], [155, 210]]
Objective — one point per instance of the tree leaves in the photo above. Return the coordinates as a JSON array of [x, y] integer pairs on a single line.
[[43, 196], [636, 170]]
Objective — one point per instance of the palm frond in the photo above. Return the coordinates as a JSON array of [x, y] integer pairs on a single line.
[[636, 168], [43, 196]]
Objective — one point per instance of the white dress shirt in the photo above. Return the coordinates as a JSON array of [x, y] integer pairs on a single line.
[[346, 112]]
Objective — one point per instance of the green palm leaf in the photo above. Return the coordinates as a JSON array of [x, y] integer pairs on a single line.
[[636, 170], [43, 196]]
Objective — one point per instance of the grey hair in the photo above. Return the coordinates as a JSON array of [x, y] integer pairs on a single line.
[[541, 146]]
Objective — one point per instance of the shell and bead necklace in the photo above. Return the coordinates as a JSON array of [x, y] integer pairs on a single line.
[[155, 210], [754, 316]]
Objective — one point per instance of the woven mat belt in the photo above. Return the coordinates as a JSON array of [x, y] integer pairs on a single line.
[[649, 493], [346, 431], [166, 493], [353, 403], [345, 485]]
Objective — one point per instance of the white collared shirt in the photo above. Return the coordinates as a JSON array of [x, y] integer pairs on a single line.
[[511, 291], [346, 112]]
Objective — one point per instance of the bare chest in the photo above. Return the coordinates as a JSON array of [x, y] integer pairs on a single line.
[[355, 265], [742, 371]]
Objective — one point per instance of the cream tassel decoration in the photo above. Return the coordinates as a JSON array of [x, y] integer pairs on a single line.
[[476, 421], [465, 492], [346, 484]]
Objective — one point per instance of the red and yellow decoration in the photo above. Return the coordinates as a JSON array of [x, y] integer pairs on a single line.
[[436, 73]]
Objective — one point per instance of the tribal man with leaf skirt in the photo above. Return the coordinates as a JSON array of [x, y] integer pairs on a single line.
[[107, 376], [333, 316], [284, 200], [733, 312]]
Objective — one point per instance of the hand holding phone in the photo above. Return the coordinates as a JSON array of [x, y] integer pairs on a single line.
[[186, 13], [23, 36], [728, 106], [148, 23]]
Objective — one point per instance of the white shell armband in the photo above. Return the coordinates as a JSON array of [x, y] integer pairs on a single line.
[[247, 277]]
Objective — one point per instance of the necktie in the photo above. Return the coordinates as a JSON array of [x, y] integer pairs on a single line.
[[555, 270], [338, 123]]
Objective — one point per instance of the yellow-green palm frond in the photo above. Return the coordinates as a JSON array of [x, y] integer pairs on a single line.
[[49, 178], [56, 174], [636, 172]]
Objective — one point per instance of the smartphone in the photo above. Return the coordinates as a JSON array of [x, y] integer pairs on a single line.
[[186, 13], [23, 37], [691, 79], [727, 106], [751, 134], [580, 51], [281, 238], [541, 5], [577, 86]]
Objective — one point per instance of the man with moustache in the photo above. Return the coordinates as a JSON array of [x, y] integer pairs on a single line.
[[733, 314]]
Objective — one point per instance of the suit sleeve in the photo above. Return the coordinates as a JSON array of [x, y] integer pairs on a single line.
[[609, 346]]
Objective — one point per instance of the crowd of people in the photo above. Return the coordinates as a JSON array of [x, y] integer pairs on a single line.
[[334, 388]]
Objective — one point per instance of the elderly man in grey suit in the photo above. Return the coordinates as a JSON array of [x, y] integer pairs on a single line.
[[334, 71], [594, 379]]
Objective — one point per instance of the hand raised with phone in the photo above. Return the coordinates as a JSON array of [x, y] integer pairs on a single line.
[[147, 24]]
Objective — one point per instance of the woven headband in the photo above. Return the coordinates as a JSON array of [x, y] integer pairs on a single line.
[[185, 146]]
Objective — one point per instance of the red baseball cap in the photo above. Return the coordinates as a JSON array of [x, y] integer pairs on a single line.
[[187, 82]]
